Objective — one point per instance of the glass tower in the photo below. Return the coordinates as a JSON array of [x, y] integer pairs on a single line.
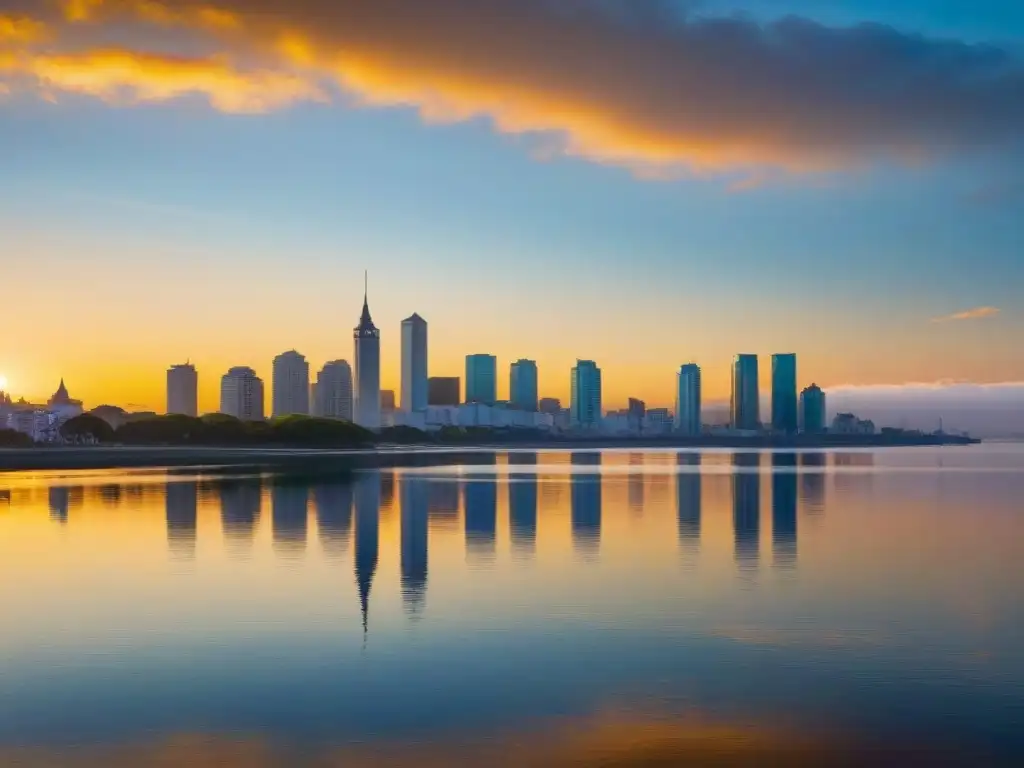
[[784, 402], [414, 364], [481, 379], [688, 414], [746, 403], [523, 385], [585, 395]]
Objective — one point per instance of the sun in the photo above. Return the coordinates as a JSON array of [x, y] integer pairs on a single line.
[[3, 382]]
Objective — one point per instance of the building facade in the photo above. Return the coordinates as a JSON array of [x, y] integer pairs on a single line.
[[415, 383], [523, 385], [550, 405], [387, 401], [585, 395], [812, 410], [334, 391], [444, 391], [745, 403], [291, 384], [183, 390], [688, 419], [785, 413], [481, 379], [241, 394], [367, 344]]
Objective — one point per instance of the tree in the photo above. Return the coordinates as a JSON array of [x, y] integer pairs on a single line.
[[87, 428], [10, 438]]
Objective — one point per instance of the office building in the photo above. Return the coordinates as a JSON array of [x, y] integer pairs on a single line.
[[387, 401], [745, 405], [688, 414], [415, 387], [481, 379], [334, 391], [367, 343], [291, 384], [585, 395], [550, 405], [785, 416], [183, 390], [241, 394], [812, 410], [444, 390], [523, 385]]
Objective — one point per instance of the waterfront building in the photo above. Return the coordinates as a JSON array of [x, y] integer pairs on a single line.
[[481, 379], [550, 405], [585, 395], [291, 384], [183, 390], [688, 400], [241, 394], [415, 384], [812, 410], [785, 416], [523, 385], [387, 401], [334, 391], [444, 390], [745, 404], [367, 347]]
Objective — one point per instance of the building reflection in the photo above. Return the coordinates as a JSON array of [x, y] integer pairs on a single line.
[[110, 494], [635, 483], [240, 502], [415, 531], [367, 495], [443, 501], [784, 499], [289, 515], [812, 481], [387, 491], [334, 515], [585, 499], [522, 503], [746, 509], [688, 500], [60, 504], [181, 502], [853, 471], [480, 497]]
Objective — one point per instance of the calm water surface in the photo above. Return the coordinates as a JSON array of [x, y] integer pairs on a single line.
[[550, 608]]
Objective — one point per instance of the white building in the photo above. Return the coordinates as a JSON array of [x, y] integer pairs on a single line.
[[657, 421], [688, 419], [367, 344], [291, 384], [414, 364], [183, 390], [334, 391], [848, 424], [241, 394]]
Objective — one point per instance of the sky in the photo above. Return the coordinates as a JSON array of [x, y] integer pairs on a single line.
[[644, 183]]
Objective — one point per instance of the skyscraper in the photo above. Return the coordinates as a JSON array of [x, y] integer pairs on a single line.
[[784, 403], [291, 384], [688, 410], [444, 390], [241, 394], [367, 341], [523, 385], [812, 410], [414, 364], [585, 395], [334, 391], [745, 403], [481, 379], [182, 390]]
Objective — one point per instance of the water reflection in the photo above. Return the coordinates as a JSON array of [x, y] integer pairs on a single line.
[[586, 503], [60, 504], [746, 511], [812, 481], [480, 496], [289, 515], [414, 543], [522, 504], [688, 501], [181, 513], [240, 504], [367, 494], [334, 514], [635, 483], [784, 498], [443, 502]]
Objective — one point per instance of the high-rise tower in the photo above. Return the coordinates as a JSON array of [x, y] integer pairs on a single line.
[[414, 363], [367, 342]]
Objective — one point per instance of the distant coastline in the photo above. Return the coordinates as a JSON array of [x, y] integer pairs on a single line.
[[141, 457]]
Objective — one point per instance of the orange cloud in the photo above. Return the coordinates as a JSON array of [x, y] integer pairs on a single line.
[[978, 313], [125, 77], [153, 12], [21, 30]]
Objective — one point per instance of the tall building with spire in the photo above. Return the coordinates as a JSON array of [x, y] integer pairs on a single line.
[[367, 342]]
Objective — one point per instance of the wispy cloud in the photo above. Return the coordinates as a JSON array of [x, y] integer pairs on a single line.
[[978, 313], [617, 81]]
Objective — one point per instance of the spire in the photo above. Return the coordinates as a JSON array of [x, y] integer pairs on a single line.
[[366, 325]]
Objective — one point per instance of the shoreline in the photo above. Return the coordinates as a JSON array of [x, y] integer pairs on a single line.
[[138, 457]]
